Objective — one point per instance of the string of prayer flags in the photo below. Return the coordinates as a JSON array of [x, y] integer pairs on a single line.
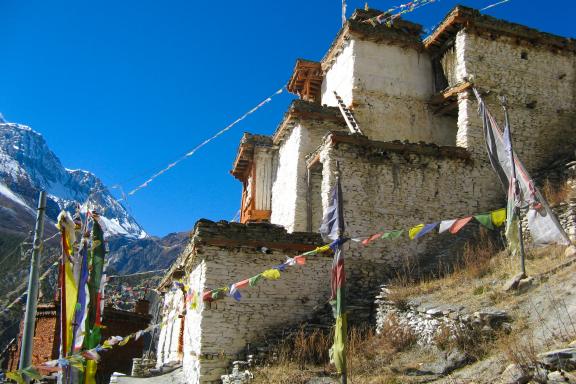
[[388, 16]]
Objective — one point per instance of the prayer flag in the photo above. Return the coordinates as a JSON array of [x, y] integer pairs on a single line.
[[95, 289], [393, 234], [15, 376], [82, 301], [242, 284], [255, 280], [332, 228], [412, 232], [235, 293], [427, 228], [459, 224], [498, 217], [485, 219], [372, 238], [300, 260], [271, 274], [446, 225], [543, 225]]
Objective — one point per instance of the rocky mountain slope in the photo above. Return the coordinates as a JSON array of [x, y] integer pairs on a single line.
[[27, 165]]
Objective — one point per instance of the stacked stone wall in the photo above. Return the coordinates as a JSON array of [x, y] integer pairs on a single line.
[[389, 190], [541, 89]]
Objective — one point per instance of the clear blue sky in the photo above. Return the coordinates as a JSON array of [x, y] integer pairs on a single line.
[[121, 88]]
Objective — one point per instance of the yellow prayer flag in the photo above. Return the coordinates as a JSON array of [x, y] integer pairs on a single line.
[[498, 217], [323, 248], [125, 340], [71, 290], [271, 274], [15, 376], [412, 232]]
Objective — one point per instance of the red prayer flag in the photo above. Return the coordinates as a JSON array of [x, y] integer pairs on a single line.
[[300, 260], [372, 238], [242, 284], [459, 224]]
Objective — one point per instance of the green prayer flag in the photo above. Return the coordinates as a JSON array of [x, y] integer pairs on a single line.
[[32, 373], [254, 280], [392, 234], [485, 220]]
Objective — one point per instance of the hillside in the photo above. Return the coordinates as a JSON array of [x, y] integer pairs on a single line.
[[462, 328]]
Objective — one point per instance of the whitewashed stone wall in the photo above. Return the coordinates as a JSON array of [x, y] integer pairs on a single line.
[[340, 76], [540, 91], [289, 191], [170, 333], [389, 88]]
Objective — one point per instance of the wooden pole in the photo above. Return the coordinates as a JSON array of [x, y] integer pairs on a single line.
[[32, 295]]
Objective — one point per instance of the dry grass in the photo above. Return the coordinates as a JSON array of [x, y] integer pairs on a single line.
[[305, 355], [556, 193]]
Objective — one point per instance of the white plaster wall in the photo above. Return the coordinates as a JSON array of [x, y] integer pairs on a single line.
[[289, 192], [389, 88], [193, 326], [340, 77], [284, 193], [170, 333]]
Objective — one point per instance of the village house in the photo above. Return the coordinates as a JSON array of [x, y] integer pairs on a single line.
[[420, 157]]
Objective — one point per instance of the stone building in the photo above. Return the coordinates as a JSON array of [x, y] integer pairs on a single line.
[[116, 323], [420, 158]]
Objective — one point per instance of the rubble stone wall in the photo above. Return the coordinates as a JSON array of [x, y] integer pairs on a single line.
[[397, 189]]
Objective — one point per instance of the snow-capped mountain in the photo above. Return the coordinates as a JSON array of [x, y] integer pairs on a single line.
[[27, 165]]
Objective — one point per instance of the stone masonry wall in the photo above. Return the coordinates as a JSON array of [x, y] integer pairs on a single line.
[[541, 89], [222, 253], [388, 186]]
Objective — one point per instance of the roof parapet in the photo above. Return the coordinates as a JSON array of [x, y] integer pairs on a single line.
[[463, 17]]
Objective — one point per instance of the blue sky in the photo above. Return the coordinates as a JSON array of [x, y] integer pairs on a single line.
[[122, 88]]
